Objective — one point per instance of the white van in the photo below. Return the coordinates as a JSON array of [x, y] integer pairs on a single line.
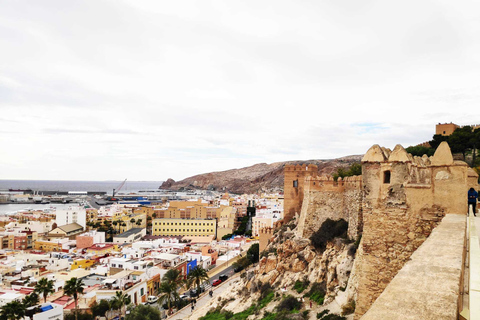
[[152, 299]]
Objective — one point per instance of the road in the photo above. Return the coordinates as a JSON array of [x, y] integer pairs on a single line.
[[186, 313]]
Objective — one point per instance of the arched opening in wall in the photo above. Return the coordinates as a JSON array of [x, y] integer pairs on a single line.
[[386, 176]]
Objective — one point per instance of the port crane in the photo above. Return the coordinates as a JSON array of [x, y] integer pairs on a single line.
[[120, 186]]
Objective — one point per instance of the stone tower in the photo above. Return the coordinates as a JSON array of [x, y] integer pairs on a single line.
[[294, 187], [405, 197]]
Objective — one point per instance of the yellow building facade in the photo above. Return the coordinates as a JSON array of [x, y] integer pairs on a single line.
[[47, 246], [82, 263], [189, 210], [184, 227]]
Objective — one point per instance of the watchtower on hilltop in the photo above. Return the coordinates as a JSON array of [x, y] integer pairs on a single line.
[[294, 187]]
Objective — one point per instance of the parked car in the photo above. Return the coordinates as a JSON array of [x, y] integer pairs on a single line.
[[183, 296], [238, 269], [216, 282], [193, 293], [152, 299], [223, 277]]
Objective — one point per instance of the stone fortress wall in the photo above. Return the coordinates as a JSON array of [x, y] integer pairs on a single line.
[[394, 205], [294, 188], [325, 198], [405, 198]]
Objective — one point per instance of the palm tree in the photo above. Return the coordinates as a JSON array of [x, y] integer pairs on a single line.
[[197, 276], [44, 287], [30, 300], [139, 222], [72, 288], [168, 293], [120, 300], [13, 310], [175, 276]]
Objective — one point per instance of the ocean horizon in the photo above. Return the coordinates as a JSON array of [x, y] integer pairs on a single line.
[[79, 185]]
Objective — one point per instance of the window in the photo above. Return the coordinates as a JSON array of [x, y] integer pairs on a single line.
[[295, 183], [386, 176]]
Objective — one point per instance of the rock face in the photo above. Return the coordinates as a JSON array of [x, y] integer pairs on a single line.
[[296, 259], [259, 177]]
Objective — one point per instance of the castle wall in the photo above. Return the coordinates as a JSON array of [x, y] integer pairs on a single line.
[[430, 283], [264, 237], [325, 198], [405, 198], [294, 188]]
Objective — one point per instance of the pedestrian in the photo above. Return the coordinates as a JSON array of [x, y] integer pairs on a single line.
[[193, 307], [472, 200]]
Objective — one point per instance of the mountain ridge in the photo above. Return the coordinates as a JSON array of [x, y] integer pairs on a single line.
[[259, 177]]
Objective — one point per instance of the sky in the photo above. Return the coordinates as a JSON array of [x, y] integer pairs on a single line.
[[150, 90]]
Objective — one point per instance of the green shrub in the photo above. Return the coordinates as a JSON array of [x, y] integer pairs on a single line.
[[349, 308], [289, 303], [333, 317], [323, 313], [299, 286], [328, 230], [317, 292]]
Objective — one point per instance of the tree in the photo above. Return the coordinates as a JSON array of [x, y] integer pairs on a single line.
[[420, 151], [355, 169], [139, 222], [437, 139], [143, 312], [30, 300], [12, 311], [154, 215], [175, 276], [461, 140], [227, 236], [100, 309], [73, 288], [120, 300], [168, 294], [196, 277], [253, 253], [44, 287], [132, 220]]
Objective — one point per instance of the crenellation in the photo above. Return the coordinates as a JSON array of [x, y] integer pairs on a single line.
[[395, 204], [403, 202]]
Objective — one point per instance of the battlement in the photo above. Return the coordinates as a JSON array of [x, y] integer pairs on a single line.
[[327, 183], [303, 167], [266, 231]]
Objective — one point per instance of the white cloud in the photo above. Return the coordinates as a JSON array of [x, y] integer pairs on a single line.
[[152, 89]]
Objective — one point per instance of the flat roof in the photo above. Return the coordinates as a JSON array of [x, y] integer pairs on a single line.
[[130, 232]]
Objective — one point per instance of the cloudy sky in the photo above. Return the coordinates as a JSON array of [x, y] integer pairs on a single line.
[[147, 90]]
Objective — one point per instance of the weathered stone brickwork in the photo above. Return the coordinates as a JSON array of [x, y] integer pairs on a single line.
[[293, 188], [405, 197], [325, 198], [264, 237]]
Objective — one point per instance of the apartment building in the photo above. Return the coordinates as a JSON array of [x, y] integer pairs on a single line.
[[184, 227]]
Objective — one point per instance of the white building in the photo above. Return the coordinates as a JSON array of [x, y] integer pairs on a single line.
[[71, 215], [48, 311], [9, 297]]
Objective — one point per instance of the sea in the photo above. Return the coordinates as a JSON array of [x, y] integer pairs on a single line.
[[68, 185]]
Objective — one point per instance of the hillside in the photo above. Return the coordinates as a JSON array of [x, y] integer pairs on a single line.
[[259, 177]]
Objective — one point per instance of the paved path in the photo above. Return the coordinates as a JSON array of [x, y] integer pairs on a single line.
[[186, 313]]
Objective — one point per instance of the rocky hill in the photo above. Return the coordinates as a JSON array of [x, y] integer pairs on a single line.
[[259, 177]]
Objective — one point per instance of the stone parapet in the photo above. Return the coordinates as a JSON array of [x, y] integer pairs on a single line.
[[428, 286]]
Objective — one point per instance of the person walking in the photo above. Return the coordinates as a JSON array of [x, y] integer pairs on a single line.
[[472, 200]]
